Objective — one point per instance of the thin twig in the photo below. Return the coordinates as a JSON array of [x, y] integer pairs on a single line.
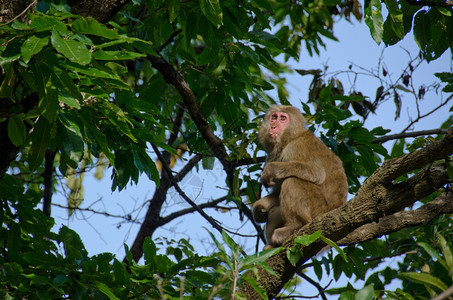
[[445, 294], [167, 169], [127, 218], [403, 135], [19, 15]]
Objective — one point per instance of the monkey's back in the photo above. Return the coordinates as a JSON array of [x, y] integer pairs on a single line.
[[308, 147]]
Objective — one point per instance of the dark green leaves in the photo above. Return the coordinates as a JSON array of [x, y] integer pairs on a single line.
[[432, 27], [73, 50], [73, 246], [211, 9], [16, 129]]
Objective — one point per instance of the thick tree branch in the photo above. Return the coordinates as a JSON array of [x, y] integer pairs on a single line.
[[378, 198], [388, 224], [152, 217], [174, 78]]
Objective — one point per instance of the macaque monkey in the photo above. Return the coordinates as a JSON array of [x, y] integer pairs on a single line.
[[307, 178]]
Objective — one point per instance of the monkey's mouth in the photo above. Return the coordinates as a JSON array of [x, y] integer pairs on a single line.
[[273, 134]]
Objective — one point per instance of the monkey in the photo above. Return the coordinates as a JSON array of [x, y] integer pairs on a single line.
[[306, 177]]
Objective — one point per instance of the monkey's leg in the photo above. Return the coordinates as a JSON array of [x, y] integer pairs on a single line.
[[274, 221], [300, 202], [262, 207]]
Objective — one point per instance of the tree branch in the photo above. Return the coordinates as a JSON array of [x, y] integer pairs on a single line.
[[388, 224], [47, 175], [174, 78], [445, 294], [403, 135], [167, 169]]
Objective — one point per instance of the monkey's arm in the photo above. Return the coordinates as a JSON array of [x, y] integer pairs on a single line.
[[311, 171]]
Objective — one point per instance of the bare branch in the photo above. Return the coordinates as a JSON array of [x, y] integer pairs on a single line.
[[91, 210], [167, 169], [403, 135], [186, 211], [428, 113], [445, 294]]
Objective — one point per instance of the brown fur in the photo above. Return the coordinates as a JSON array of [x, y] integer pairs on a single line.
[[307, 178]]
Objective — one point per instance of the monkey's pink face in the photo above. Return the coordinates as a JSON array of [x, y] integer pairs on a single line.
[[278, 122]]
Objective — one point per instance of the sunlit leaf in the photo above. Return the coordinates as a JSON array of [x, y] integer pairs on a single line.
[[424, 278], [32, 46], [373, 19]]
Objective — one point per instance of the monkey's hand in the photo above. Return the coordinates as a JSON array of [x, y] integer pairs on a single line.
[[260, 213], [268, 175]]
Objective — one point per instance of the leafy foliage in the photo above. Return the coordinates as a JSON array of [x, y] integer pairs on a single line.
[[97, 94], [430, 26]]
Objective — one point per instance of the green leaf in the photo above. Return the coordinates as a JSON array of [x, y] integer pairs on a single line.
[[40, 140], [294, 254], [211, 9], [91, 26], [424, 278], [433, 253], [116, 55], [333, 245], [373, 19], [367, 293], [16, 129], [72, 243], [208, 163], [73, 50], [257, 259], [256, 286], [367, 159], [447, 253], [7, 86], [32, 46], [308, 239], [149, 249], [48, 102], [422, 30], [70, 140], [173, 9], [106, 290], [145, 164], [360, 135], [393, 25]]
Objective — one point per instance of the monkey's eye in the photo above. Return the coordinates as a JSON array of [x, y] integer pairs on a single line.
[[274, 117], [283, 118]]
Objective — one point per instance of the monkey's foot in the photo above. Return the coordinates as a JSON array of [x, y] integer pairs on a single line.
[[281, 234], [268, 246]]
